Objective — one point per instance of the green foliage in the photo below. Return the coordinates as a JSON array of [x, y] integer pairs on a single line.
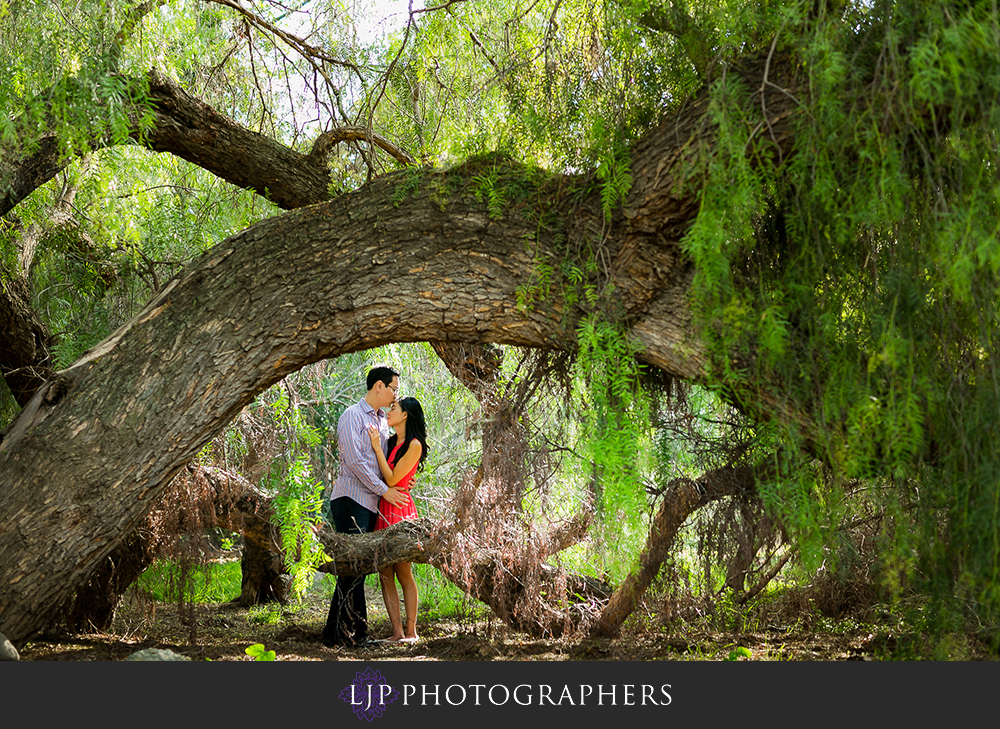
[[298, 495], [534, 81], [538, 288], [739, 652], [216, 582], [487, 188], [297, 504], [258, 653], [616, 417], [409, 183], [613, 172], [860, 281]]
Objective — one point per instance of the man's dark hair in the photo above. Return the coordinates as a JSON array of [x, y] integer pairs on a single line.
[[381, 373]]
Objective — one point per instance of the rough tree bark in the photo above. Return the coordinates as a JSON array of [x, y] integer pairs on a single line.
[[91, 452]]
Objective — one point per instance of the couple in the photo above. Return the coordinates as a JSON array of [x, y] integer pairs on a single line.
[[373, 492]]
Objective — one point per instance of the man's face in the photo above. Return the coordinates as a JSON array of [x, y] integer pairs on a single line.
[[387, 393]]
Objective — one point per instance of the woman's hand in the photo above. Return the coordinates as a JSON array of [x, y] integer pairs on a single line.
[[375, 436]]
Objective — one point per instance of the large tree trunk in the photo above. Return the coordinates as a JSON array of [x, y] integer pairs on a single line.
[[92, 451]]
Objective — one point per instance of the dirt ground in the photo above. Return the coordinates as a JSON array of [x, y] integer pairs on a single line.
[[222, 632]]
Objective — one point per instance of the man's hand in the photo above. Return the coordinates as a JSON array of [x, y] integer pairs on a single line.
[[394, 496]]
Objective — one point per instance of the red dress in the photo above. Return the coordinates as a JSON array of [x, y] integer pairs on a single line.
[[389, 514]]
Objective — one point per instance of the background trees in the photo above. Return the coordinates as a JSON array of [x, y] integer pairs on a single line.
[[810, 231]]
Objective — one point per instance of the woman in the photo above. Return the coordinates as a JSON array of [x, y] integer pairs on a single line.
[[407, 451]]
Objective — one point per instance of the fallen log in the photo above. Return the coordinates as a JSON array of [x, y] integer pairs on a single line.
[[417, 540]]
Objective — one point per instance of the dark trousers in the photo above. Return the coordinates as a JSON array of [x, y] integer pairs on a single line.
[[348, 618]]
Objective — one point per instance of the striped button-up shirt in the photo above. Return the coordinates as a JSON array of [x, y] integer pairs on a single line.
[[358, 477]]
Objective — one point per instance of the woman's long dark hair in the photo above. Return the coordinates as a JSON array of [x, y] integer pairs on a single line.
[[416, 428]]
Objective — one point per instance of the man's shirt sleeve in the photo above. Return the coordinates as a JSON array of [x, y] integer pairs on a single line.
[[357, 454]]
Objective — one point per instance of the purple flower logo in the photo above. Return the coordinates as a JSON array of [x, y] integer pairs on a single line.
[[369, 694]]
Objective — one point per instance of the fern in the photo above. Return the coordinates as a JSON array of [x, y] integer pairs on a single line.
[[297, 507], [410, 182], [487, 188], [617, 418], [616, 178]]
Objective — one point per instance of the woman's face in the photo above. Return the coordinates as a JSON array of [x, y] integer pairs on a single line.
[[396, 415]]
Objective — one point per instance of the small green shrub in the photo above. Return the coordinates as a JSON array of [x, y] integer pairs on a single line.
[[265, 614], [164, 580], [440, 599], [257, 652]]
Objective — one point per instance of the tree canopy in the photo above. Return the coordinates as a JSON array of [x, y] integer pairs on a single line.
[[793, 204]]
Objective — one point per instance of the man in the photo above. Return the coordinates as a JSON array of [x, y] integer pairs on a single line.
[[355, 497]]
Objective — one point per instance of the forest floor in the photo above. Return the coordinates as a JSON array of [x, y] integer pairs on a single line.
[[223, 631]]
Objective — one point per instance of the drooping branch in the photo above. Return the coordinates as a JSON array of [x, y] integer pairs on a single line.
[[187, 127], [681, 499], [181, 125]]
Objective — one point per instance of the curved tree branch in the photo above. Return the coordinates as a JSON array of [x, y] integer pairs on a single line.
[[393, 262], [308, 285], [323, 146]]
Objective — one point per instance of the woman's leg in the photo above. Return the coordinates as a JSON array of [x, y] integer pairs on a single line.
[[406, 581], [387, 579]]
